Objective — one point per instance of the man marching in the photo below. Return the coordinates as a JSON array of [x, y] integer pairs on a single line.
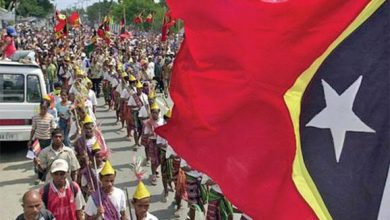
[[108, 202], [153, 151]]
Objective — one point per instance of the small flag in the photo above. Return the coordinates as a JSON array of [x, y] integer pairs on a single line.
[[60, 29], [168, 22], [74, 19], [138, 19], [106, 23], [149, 18], [36, 147]]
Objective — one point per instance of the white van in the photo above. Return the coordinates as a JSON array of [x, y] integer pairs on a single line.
[[21, 90]]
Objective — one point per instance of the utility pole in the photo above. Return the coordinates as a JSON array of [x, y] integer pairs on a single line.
[[124, 13], [15, 8], [100, 12]]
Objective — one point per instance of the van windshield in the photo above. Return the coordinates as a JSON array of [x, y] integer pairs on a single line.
[[11, 87], [33, 89]]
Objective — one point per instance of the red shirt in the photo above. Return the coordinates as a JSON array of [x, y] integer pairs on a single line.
[[10, 49], [62, 203]]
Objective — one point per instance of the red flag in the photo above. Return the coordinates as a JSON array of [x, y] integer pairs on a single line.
[[168, 22], [122, 22], [104, 30], [230, 120], [60, 26], [60, 29], [149, 18], [138, 19], [74, 19], [122, 26], [106, 23], [100, 31], [124, 34]]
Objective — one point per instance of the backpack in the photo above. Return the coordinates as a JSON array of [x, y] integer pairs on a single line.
[[46, 188]]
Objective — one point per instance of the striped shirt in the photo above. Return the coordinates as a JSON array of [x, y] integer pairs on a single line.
[[43, 126]]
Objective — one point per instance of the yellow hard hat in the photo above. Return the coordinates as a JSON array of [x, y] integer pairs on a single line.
[[88, 119], [139, 85], [107, 169], [141, 192], [87, 81], [80, 72], [152, 94], [168, 114], [96, 146], [154, 106], [124, 74], [132, 78]]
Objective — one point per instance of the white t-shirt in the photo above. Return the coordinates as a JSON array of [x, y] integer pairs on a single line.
[[113, 80], [69, 75], [119, 88], [85, 64], [148, 130], [117, 197], [148, 216], [126, 93], [92, 97], [62, 71], [84, 180], [90, 142], [106, 76], [161, 140], [143, 112], [150, 70], [88, 103]]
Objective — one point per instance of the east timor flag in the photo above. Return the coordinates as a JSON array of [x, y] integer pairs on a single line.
[[238, 83], [340, 107]]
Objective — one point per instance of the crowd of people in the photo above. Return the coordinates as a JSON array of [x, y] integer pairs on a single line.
[[74, 162]]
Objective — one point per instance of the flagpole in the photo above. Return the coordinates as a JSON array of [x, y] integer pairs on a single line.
[[100, 16], [90, 179], [97, 180], [124, 14], [129, 203]]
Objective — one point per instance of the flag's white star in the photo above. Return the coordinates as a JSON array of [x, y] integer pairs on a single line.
[[338, 115]]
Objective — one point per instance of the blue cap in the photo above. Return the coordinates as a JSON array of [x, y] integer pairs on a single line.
[[11, 31]]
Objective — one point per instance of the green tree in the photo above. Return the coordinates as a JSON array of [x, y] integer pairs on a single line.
[[35, 8], [99, 10], [135, 7]]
